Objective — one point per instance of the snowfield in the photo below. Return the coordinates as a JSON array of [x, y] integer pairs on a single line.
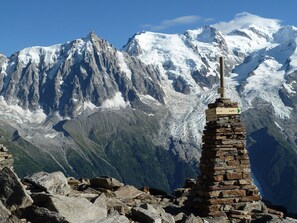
[[256, 51]]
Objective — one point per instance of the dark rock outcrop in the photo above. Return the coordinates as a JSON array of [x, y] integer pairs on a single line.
[[12, 193]]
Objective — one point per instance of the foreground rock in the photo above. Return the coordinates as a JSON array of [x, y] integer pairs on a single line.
[[37, 214], [101, 200], [73, 209], [106, 182], [128, 192], [55, 183], [146, 213], [12, 193]]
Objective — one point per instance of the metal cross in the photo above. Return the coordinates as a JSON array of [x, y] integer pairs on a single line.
[[221, 90]]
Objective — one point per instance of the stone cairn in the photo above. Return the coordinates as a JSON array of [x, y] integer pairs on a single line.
[[225, 186], [6, 159]]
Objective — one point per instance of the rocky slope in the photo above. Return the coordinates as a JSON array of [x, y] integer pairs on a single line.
[[51, 197], [87, 109]]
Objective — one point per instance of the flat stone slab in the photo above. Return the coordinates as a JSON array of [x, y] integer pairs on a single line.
[[128, 192], [54, 183], [106, 182], [73, 209]]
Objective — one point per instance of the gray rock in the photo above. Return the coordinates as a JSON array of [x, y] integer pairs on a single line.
[[73, 209], [193, 219], [145, 216], [289, 220], [4, 212], [149, 213], [102, 204], [179, 217], [54, 183], [166, 217], [12, 192], [73, 182], [117, 205], [3, 148], [128, 192], [106, 182], [254, 206], [115, 218], [36, 214], [181, 200], [222, 219]]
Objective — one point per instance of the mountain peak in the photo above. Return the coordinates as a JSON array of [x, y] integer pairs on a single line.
[[246, 20], [91, 36]]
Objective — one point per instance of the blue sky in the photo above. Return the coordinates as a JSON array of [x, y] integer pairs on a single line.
[[47, 22]]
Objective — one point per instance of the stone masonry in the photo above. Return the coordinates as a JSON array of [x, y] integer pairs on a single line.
[[225, 184], [6, 159]]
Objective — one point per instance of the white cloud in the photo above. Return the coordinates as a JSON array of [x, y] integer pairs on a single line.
[[245, 20], [183, 20]]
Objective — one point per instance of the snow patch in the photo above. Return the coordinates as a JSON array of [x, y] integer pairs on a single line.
[[90, 105], [282, 129], [265, 84], [15, 113], [289, 89], [51, 135], [123, 65], [148, 99], [34, 54], [116, 102]]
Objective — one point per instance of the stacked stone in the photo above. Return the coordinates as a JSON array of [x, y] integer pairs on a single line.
[[225, 183], [6, 159]]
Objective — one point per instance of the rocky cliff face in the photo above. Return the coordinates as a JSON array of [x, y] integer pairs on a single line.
[[69, 77]]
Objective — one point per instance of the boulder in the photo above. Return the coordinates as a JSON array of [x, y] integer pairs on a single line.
[[146, 213], [145, 216], [106, 182], [179, 217], [36, 214], [127, 192], [115, 218], [73, 209], [253, 206], [73, 182], [4, 212], [54, 183], [117, 205], [12, 193], [193, 219], [101, 203], [166, 217]]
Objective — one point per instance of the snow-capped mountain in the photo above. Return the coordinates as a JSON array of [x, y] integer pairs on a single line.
[[87, 109], [260, 57], [68, 78], [261, 70]]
